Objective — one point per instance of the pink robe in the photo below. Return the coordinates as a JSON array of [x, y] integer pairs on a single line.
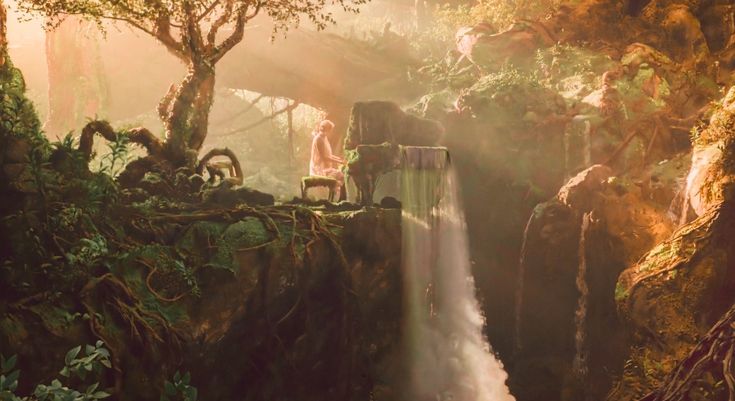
[[321, 163]]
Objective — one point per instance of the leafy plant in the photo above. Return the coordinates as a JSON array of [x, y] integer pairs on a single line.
[[179, 389], [89, 251], [95, 358], [114, 162], [8, 378], [58, 392]]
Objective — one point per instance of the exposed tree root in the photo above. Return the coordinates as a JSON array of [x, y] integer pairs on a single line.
[[714, 352], [140, 136], [152, 270], [221, 152]]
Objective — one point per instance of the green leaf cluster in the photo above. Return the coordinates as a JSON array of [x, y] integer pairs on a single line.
[[95, 358], [179, 389]]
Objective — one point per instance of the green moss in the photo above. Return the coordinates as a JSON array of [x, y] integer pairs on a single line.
[[19, 118], [621, 292], [246, 233]]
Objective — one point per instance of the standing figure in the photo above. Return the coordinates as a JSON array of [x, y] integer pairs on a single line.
[[323, 162]]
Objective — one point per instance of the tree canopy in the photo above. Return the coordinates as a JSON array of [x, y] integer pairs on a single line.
[[197, 32], [189, 28]]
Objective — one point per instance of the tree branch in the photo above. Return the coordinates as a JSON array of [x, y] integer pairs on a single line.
[[221, 152], [140, 136], [262, 120], [237, 35], [162, 32], [207, 10], [244, 111], [218, 23]]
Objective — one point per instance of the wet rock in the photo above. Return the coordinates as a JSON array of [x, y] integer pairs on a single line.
[[623, 226], [579, 192], [672, 296], [390, 202]]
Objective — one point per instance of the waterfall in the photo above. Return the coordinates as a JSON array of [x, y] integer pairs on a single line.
[[567, 148], [519, 287], [448, 357], [579, 365], [694, 198], [587, 143]]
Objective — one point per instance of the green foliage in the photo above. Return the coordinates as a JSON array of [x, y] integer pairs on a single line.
[[113, 162], [8, 378], [58, 392], [19, 118], [173, 22], [179, 389], [246, 233], [499, 14], [96, 357], [89, 251]]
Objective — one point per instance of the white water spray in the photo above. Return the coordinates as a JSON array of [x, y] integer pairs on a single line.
[[448, 355], [579, 365]]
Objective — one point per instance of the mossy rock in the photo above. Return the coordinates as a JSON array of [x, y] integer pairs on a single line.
[[246, 233]]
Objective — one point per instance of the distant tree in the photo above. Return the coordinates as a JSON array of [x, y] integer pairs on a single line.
[[3, 33], [199, 33], [77, 87]]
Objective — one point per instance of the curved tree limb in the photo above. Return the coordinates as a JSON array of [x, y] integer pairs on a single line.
[[140, 136], [241, 19], [221, 152], [162, 32]]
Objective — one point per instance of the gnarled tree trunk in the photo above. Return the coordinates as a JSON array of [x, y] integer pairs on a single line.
[[185, 112]]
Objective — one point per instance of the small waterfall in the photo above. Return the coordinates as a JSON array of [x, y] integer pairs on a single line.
[[577, 141], [587, 143], [684, 213], [676, 210], [448, 357], [579, 365], [694, 199], [567, 148], [519, 287]]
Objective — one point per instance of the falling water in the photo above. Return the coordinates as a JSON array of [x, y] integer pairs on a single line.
[[448, 355], [567, 146], [587, 143], [519, 287], [579, 365], [693, 197]]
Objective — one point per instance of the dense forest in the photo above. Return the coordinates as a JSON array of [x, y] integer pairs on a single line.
[[527, 200]]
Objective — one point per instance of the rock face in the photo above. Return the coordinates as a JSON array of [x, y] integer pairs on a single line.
[[324, 328], [271, 322], [675, 293], [622, 225]]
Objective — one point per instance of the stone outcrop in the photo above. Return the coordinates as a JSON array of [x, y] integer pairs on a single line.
[[682, 286]]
